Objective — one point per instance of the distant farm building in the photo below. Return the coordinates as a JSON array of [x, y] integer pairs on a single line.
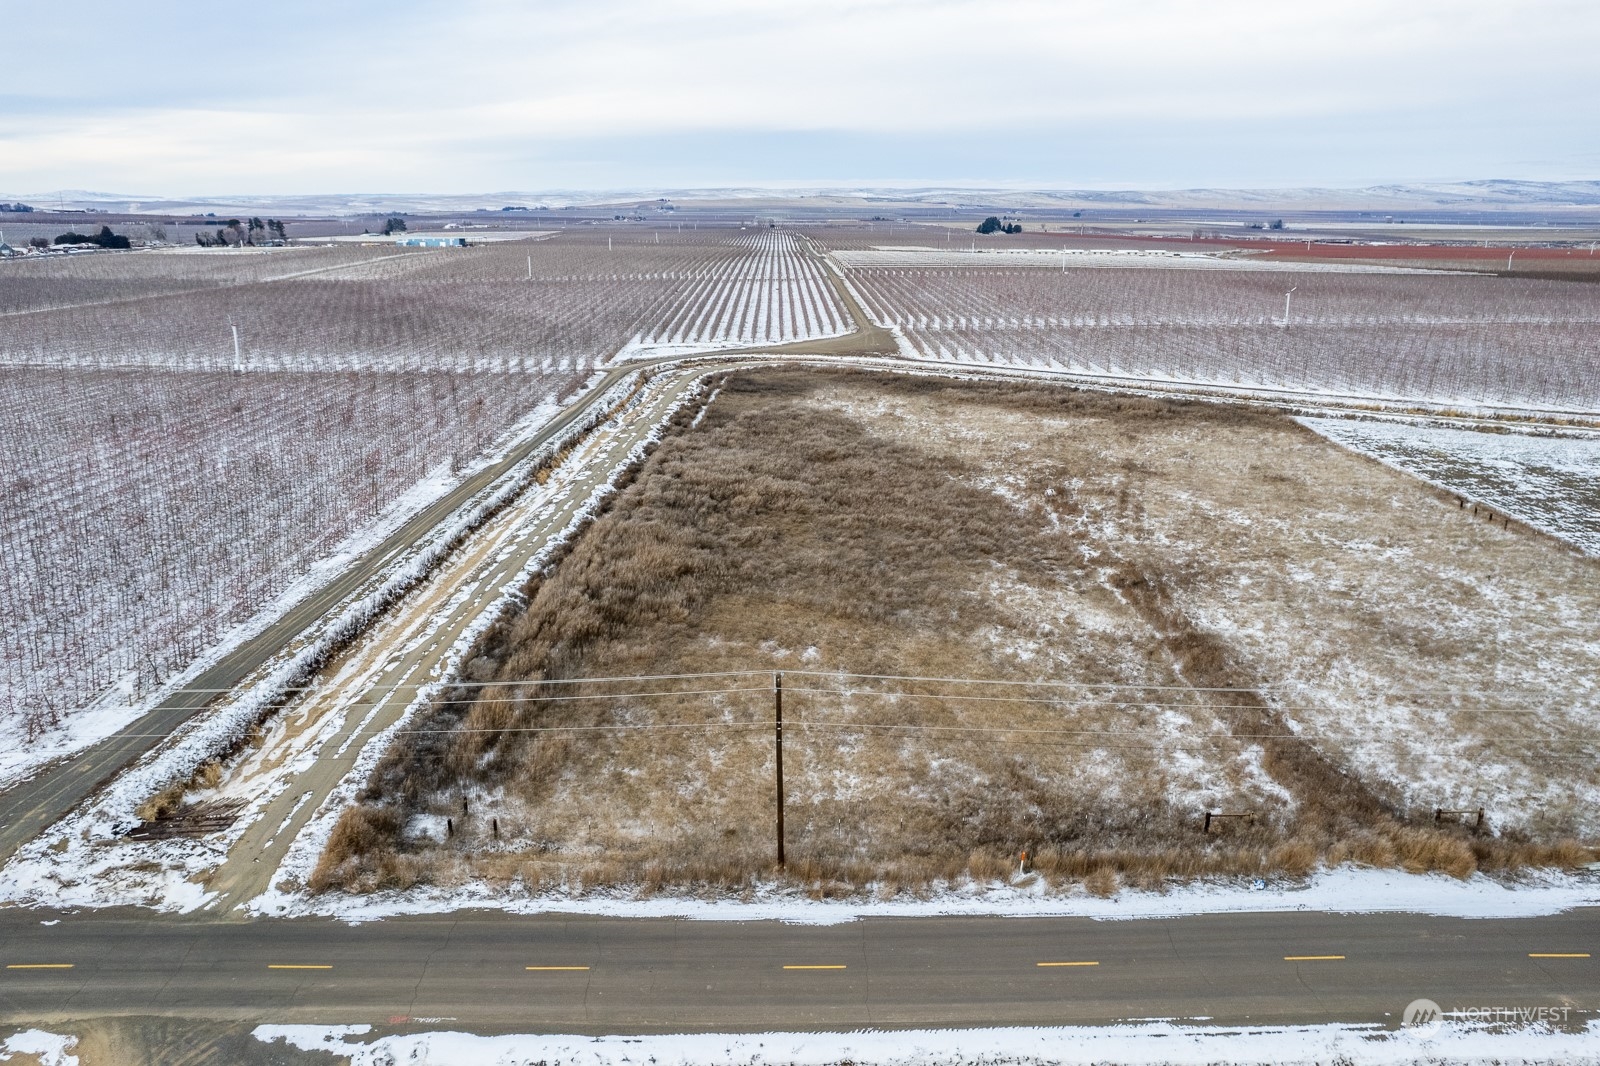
[[431, 242]]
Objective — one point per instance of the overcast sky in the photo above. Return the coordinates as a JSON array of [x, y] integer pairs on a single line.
[[162, 98]]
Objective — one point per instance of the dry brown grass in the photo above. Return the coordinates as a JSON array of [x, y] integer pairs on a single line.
[[811, 524], [164, 802]]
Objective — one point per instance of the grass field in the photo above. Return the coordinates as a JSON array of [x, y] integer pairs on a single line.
[[1170, 608]]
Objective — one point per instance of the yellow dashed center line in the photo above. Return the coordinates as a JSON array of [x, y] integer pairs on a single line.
[[834, 966], [1558, 955], [297, 966], [1095, 963], [1311, 958], [555, 967], [39, 966]]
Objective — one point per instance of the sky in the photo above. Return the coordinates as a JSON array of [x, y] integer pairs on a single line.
[[163, 98]]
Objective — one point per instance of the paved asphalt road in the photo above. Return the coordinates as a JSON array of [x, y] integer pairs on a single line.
[[642, 975]]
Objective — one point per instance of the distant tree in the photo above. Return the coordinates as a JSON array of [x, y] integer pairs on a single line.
[[396, 224], [38, 242], [1276, 223], [105, 238], [1013, 227], [989, 225]]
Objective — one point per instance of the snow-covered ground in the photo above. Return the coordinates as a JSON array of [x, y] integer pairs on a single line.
[[472, 236], [1143, 1042], [1458, 339], [103, 882], [1295, 555], [46, 1048], [80, 862], [308, 846], [772, 294], [1469, 1035], [120, 706], [169, 880], [1357, 505], [1346, 890], [638, 350], [1550, 483], [1073, 258]]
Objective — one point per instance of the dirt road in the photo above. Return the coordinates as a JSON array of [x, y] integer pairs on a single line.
[[372, 683]]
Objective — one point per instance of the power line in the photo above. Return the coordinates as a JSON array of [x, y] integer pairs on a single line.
[[1047, 684], [651, 727], [1121, 706], [1032, 739], [354, 700], [499, 684], [887, 728], [1268, 696], [1142, 704]]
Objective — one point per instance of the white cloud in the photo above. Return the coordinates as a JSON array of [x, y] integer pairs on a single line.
[[477, 84]]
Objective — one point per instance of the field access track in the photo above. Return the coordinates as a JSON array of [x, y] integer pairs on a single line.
[[371, 685]]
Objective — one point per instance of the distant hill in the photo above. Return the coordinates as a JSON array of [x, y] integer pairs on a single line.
[[1487, 195]]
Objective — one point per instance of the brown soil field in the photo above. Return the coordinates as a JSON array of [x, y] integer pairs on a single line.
[[1009, 618]]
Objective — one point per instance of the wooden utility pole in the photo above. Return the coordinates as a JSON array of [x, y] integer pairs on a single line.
[[777, 698]]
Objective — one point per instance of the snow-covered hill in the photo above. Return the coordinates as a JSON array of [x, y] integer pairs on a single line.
[[1488, 195]]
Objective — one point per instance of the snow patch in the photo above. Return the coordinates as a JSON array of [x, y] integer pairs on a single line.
[[1550, 483], [1345, 890], [1146, 1043], [51, 1049]]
